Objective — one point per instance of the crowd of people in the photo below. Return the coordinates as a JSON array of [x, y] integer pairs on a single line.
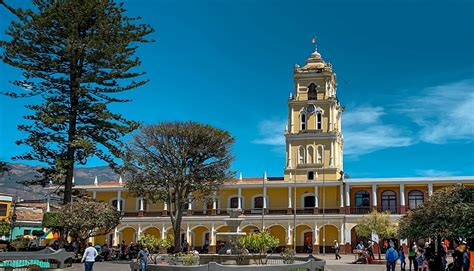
[[419, 257]]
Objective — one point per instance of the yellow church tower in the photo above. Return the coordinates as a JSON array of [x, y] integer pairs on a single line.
[[314, 141]]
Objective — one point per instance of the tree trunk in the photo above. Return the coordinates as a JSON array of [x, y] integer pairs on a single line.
[[177, 236]]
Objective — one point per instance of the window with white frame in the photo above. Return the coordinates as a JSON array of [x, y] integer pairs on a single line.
[[303, 121], [301, 153], [114, 204], [234, 202], [319, 120], [320, 154], [415, 198], [310, 155]]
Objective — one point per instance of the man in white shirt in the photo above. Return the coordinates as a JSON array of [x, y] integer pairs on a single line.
[[89, 257]]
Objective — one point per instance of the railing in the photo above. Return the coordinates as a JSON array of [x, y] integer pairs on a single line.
[[35, 260], [273, 263], [390, 209], [360, 210], [255, 211]]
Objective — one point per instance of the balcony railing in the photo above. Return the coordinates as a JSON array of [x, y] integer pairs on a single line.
[[359, 210]]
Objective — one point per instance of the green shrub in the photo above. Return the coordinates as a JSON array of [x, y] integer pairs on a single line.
[[190, 259], [288, 256]]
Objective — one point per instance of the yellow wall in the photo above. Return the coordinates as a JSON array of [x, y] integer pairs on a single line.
[[280, 233], [153, 231], [198, 236], [223, 195], [101, 239], [277, 198], [128, 235], [331, 234], [300, 229]]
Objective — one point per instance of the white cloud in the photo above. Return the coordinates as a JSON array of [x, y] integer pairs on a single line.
[[364, 132], [444, 113], [271, 133], [434, 173]]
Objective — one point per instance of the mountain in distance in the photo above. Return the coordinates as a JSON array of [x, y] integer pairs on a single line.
[[21, 172]]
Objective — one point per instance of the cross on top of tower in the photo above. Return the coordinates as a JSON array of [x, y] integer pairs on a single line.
[[314, 41]]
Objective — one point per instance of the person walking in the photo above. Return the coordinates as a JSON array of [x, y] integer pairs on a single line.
[[336, 250], [465, 259], [401, 255], [89, 257], [391, 256], [142, 258], [412, 257]]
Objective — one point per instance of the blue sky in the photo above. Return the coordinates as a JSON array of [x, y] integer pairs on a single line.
[[405, 74]]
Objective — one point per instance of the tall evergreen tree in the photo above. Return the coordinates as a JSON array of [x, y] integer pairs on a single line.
[[74, 55]]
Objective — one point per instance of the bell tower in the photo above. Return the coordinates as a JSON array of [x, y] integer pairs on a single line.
[[314, 140]]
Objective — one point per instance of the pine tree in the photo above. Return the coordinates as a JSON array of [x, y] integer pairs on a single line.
[[74, 55]]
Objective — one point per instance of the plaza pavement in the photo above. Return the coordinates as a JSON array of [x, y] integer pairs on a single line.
[[343, 264]]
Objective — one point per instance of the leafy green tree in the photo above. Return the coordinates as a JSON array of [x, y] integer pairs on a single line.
[[448, 213], [84, 218], [377, 223], [259, 243], [4, 228], [3, 167], [74, 56], [176, 161]]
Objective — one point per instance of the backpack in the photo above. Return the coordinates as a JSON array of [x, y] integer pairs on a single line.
[[391, 255]]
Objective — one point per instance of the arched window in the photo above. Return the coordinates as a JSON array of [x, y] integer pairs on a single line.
[[312, 93], [319, 120], [301, 154], [303, 121], [320, 154], [310, 155], [234, 202], [389, 201], [258, 202], [415, 198], [362, 198], [309, 201], [114, 204]]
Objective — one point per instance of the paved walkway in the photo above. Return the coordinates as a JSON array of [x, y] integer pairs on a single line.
[[343, 264]]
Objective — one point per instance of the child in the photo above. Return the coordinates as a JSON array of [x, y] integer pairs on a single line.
[[401, 255], [420, 258]]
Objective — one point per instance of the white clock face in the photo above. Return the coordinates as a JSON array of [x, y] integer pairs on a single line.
[[310, 108]]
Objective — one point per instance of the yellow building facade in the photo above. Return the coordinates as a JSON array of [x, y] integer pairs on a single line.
[[5, 207], [310, 206]]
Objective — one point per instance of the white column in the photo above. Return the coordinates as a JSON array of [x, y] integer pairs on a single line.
[[330, 114], [188, 236], [119, 199], [348, 195], [341, 195], [139, 231], [264, 198], [94, 194], [239, 196], [214, 203], [430, 189], [292, 119], [348, 237], [48, 204], [165, 206], [341, 234], [316, 235], [163, 231], [213, 235], [374, 195], [116, 241], [289, 237], [331, 157], [289, 197], [142, 203], [190, 203], [316, 196], [402, 194], [289, 155]]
